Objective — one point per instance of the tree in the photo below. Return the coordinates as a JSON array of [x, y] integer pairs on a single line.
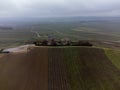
[[44, 42]]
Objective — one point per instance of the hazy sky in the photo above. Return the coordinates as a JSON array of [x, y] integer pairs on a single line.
[[51, 8]]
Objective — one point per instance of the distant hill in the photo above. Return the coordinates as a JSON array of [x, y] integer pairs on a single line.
[[59, 68], [5, 28]]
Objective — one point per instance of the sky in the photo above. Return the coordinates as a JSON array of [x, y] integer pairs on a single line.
[[59, 8]]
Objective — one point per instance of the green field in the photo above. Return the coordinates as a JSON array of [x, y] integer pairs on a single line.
[[91, 69], [114, 56], [80, 30], [74, 30], [12, 38]]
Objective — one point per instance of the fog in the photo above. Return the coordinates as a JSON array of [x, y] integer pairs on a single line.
[[58, 8]]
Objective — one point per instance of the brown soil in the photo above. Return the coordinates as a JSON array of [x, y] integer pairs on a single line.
[[24, 71], [57, 70]]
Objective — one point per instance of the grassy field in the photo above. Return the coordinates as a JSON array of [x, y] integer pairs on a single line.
[[90, 69], [74, 30], [93, 30], [60, 68], [114, 56], [12, 38]]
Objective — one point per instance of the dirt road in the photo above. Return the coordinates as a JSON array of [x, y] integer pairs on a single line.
[[37, 34], [22, 48]]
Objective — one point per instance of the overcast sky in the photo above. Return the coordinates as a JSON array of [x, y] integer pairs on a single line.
[[60, 8]]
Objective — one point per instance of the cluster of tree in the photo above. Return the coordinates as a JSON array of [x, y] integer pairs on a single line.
[[63, 42]]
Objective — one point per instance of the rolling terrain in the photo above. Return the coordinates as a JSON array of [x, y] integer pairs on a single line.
[[78, 29], [60, 68], [29, 67]]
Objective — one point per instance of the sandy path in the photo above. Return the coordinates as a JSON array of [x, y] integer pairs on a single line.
[[22, 48]]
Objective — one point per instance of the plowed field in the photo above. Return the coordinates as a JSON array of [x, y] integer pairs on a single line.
[[59, 68]]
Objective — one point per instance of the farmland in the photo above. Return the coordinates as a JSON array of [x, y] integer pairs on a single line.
[[80, 30], [94, 30], [59, 68], [20, 71], [12, 38]]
